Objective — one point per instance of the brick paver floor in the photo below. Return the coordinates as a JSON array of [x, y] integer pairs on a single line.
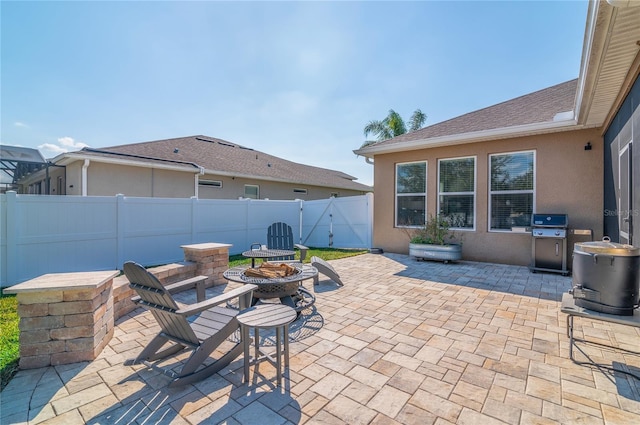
[[403, 342]]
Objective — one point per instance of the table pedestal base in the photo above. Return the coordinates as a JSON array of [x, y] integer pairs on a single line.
[[267, 316]]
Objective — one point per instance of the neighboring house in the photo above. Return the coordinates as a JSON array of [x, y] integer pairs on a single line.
[[17, 163], [199, 166], [566, 149]]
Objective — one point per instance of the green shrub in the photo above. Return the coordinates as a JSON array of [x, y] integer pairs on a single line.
[[435, 231]]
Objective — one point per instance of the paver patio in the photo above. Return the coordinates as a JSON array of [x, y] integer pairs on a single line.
[[403, 342]]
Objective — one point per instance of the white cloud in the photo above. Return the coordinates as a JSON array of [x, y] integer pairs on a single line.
[[68, 142], [65, 144], [50, 148], [20, 124]]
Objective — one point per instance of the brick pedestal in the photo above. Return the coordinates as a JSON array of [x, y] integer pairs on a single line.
[[212, 259], [64, 317]]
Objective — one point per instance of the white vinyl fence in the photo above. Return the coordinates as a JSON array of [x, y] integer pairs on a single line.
[[54, 234]]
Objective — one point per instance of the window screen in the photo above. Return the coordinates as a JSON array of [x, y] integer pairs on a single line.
[[456, 186], [411, 193], [251, 191], [511, 190]]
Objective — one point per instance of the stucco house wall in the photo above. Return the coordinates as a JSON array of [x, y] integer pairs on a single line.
[[105, 179], [568, 180], [111, 179], [233, 188], [74, 178]]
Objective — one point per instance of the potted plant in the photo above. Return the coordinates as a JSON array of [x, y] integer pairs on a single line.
[[435, 241]]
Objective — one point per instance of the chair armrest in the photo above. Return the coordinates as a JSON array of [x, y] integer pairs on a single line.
[[303, 251], [245, 290], [197, 281]]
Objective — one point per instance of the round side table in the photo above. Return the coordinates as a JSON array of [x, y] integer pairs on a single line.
[[266, 316]]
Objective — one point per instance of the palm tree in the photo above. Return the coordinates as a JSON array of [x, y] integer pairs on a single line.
[[393, 125]]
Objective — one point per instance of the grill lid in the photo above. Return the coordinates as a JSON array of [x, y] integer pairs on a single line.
[[606, 247], [549, 220]]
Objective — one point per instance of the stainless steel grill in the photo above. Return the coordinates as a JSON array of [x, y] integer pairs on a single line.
[[549, 243]]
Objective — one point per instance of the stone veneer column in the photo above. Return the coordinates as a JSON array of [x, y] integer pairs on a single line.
[[64, 317], [212, 260]]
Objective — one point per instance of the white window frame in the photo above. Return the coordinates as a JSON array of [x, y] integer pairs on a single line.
[[252, 186], [509, 192], [475, 189], [216, 184], [396, 195]]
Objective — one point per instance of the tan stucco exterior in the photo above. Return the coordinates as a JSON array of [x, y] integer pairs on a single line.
[[109, 179], [74, 178], [233, 188], [568, 181]]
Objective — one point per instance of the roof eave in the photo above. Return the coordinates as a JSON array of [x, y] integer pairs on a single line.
[[69, 157], [586, 80], [274, 179], [471, 137]]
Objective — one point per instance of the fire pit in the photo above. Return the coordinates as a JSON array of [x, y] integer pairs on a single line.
[[271, 285]]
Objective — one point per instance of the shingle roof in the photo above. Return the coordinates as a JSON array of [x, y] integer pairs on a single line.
[[538, 107], [218, 156]]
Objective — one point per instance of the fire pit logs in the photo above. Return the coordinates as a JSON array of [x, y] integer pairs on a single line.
[[271, 271]]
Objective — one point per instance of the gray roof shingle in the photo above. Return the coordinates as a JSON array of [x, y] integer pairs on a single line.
[[223, 157], [537, 107]]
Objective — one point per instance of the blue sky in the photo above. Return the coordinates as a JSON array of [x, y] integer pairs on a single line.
[[298, 80]]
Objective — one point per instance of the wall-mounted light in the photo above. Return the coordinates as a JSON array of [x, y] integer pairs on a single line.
[[588, 146]]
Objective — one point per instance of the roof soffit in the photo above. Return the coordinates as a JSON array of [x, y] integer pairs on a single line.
[[608, 60], [71, 157]]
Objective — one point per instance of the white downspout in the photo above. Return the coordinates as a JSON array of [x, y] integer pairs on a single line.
[[368, 160], [197, 179], [84, 176]]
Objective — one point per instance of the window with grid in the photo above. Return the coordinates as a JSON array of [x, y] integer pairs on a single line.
[[251, 191], [457, 191], [511, 190], [411, 193]]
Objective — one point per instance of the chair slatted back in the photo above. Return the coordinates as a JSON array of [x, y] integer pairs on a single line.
[[280, 236], [155, 297]]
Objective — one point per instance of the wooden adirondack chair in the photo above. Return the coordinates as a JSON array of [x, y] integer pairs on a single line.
[[199, 327], [280, 236]]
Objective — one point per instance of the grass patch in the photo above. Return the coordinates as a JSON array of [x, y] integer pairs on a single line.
[[9, 334], [326, 254]]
